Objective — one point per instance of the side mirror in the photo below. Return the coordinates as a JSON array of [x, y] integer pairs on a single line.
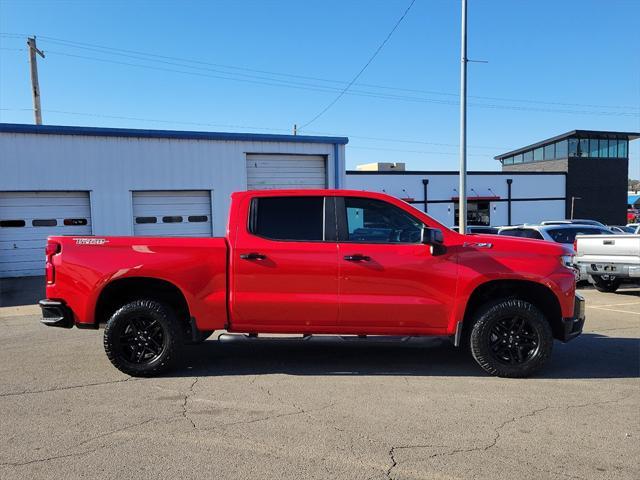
[[432, 236]]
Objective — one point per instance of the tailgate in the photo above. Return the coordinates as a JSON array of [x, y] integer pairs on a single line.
[[608, 248]]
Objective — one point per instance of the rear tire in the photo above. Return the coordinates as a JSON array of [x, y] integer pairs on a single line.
[[510, 338], [609, 285], [142, 338]]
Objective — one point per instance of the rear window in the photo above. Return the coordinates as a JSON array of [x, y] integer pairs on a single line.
[[568, 235], [288, 218], [523, 233]]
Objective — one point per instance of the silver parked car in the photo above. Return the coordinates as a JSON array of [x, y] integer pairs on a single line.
[[560, 232]]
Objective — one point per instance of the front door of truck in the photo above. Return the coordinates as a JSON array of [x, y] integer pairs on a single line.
[[389, 280], [285, 266]]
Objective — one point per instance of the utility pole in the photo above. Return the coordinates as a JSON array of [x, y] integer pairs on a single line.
[[462, 198], [35, 87], [573, 201]]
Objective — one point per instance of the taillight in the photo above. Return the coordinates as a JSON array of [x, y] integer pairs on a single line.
[[50, 250]]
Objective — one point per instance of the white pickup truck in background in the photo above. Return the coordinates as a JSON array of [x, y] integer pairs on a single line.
[[608, 260]]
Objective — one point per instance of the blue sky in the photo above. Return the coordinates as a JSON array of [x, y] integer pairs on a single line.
[[553, 66]]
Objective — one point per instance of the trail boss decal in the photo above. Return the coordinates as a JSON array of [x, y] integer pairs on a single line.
[[90, 241]]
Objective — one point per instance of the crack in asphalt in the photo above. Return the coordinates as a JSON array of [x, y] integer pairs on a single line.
[[187, 396], [497, 436], [70, 387], [80, 453]]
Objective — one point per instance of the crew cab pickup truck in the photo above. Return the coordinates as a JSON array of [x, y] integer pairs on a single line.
[[607, 260], [309, 262]]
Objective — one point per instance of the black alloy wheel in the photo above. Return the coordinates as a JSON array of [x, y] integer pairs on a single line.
[[510, 338], [513, 340], [142, 338]]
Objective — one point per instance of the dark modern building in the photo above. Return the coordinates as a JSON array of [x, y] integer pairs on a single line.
[[597, 167]]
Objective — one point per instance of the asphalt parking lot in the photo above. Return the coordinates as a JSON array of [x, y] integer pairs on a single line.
[[329, 409]]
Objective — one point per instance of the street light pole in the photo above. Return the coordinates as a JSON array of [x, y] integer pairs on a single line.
[[462, 192]]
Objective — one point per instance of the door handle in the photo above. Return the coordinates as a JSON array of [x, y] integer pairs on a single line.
[[252, 256], [357, 258]]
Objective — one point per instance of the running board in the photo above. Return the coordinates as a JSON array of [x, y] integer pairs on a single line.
[[253, 337]]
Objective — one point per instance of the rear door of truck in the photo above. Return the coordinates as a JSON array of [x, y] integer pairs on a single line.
[[284, 264]]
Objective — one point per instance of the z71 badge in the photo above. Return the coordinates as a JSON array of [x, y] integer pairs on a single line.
[[91, 241]]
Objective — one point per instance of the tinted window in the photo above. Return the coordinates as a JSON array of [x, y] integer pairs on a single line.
[[517, 159], [537, 154], [593, 147], [604, 148], [613, 148], [528, 156], [568, 235], [508, 161], [375, 221], [584, 147], [44, 222], [146, 219], [622, 148], [549, 152], [523, 233], [198, 218], [12, 223], [172, 219], [73, 222], [573, 147], [288, 218], [561, 149]]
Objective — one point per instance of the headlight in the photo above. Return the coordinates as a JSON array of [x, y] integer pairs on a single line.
[[567, 261]]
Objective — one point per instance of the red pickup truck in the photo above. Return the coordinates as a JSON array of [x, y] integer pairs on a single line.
[[317, 262]]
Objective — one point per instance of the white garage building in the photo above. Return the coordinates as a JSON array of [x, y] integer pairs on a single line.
[[494, 198], [58, 180]]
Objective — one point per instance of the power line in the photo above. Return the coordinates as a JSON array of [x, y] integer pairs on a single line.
[[141, 55], [375, 54], [205, 124]]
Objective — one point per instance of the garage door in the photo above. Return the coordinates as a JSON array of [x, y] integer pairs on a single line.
[[286, 171], [175, 213], [28, 218]]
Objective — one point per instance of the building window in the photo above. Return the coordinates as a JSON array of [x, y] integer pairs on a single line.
[[613, 148], [12, 223], [44, 222], [478, 213], [507, 161], [604, 148], [538, 155], [75, 222], [528, 156], [561, 149], [518, 159], [622, 148], [146, 220], [583, 147], [549, 152], [594, 148]]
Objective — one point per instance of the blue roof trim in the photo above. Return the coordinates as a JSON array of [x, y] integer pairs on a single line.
[[169, 134]]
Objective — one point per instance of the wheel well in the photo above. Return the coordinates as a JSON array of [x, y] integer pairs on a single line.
[[535, 293], [120, 292]]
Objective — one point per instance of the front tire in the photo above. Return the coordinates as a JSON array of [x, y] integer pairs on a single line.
[[511, 338], [608, 285], [142, 338]]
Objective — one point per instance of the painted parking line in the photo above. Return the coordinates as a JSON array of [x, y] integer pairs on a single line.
[[613, 305], [615, 310]]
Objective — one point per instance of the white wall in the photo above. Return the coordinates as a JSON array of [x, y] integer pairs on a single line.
[[443, 187], [111, 167]]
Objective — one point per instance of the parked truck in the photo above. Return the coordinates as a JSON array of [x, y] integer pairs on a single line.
[[309, 262], [608, 260]]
